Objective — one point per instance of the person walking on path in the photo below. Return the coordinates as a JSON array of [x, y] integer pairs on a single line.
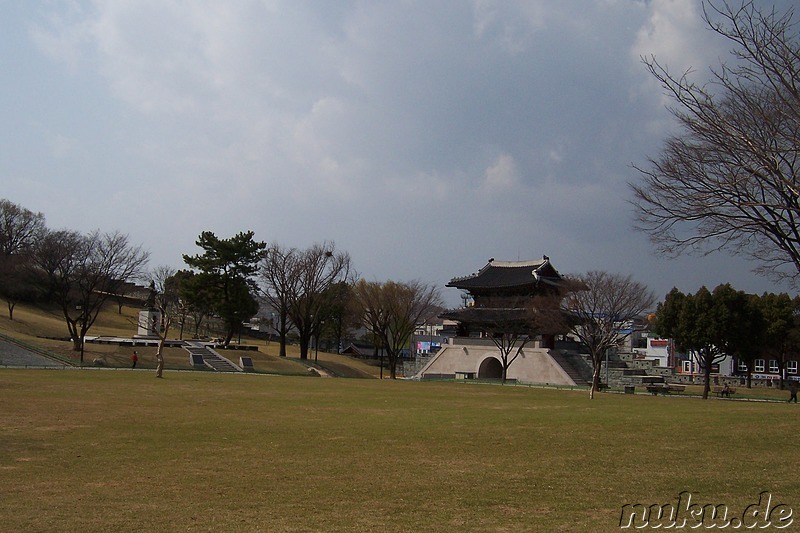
[[792, 392], [134, 359]]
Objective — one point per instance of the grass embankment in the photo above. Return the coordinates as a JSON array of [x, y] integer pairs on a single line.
[[46, 329], [97, 450]]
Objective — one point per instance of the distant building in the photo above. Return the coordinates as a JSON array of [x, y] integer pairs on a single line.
[[768, 369], [429, 337], [646, 345]]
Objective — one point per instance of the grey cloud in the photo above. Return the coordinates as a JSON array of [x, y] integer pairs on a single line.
[[424, 137]]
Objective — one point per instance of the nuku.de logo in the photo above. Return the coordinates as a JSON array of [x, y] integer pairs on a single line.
[[685, 514]]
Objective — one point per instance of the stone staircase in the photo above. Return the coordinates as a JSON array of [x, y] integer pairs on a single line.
[[570, 367], [210, 358], [625, 370]]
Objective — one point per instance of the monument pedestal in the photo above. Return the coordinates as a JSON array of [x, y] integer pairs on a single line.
[[149, 323]]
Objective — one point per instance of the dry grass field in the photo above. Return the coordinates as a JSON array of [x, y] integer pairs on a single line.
[[118, 450], [97, 450]]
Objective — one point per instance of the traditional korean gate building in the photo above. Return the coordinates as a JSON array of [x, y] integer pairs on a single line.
[[504, 294]]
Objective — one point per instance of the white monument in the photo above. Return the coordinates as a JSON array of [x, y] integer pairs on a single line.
[[149, 324]]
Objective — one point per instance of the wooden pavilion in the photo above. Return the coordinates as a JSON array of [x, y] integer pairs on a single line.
[[504, 295]]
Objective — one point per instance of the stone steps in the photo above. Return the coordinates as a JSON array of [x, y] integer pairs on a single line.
[[199, 352], [568, 367]]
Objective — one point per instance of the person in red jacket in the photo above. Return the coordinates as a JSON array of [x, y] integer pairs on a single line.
[[134, 359]]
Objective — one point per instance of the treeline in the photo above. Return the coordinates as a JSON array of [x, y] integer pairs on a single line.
[[709, 325], [311, 292], [76, 272]]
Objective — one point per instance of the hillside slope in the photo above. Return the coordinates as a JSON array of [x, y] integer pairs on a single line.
[[45, 328]]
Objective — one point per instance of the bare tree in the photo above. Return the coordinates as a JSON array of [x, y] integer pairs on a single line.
[[279, 280], [603, 306], [317, 269], [19, 228], [373, 313], [338, 313], [729, 179], [392, 310], [82, 272], [121, 295], [167, 302]]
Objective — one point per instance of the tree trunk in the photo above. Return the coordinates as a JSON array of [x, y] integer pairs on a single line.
[[282, 343], [72, 325], [228, 337], [160, 359], [595, 380], [303, 346], [284, 331], [707, 377]]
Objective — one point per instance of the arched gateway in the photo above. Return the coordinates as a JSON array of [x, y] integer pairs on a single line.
[[491, 368]]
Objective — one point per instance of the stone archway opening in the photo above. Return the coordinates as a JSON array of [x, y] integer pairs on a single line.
[[490, 368]]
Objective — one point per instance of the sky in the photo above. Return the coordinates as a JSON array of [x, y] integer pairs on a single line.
[[423, 137]]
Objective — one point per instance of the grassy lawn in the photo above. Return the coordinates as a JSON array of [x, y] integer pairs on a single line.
[[104, 450], [742, 392]]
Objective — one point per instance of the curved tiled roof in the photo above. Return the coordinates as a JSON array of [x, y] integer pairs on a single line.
[[499, 274]]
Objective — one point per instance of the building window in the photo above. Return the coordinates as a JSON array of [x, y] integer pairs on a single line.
[[687, 367], [773, 366], [742, 365], [758, 365], [791, 367]]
